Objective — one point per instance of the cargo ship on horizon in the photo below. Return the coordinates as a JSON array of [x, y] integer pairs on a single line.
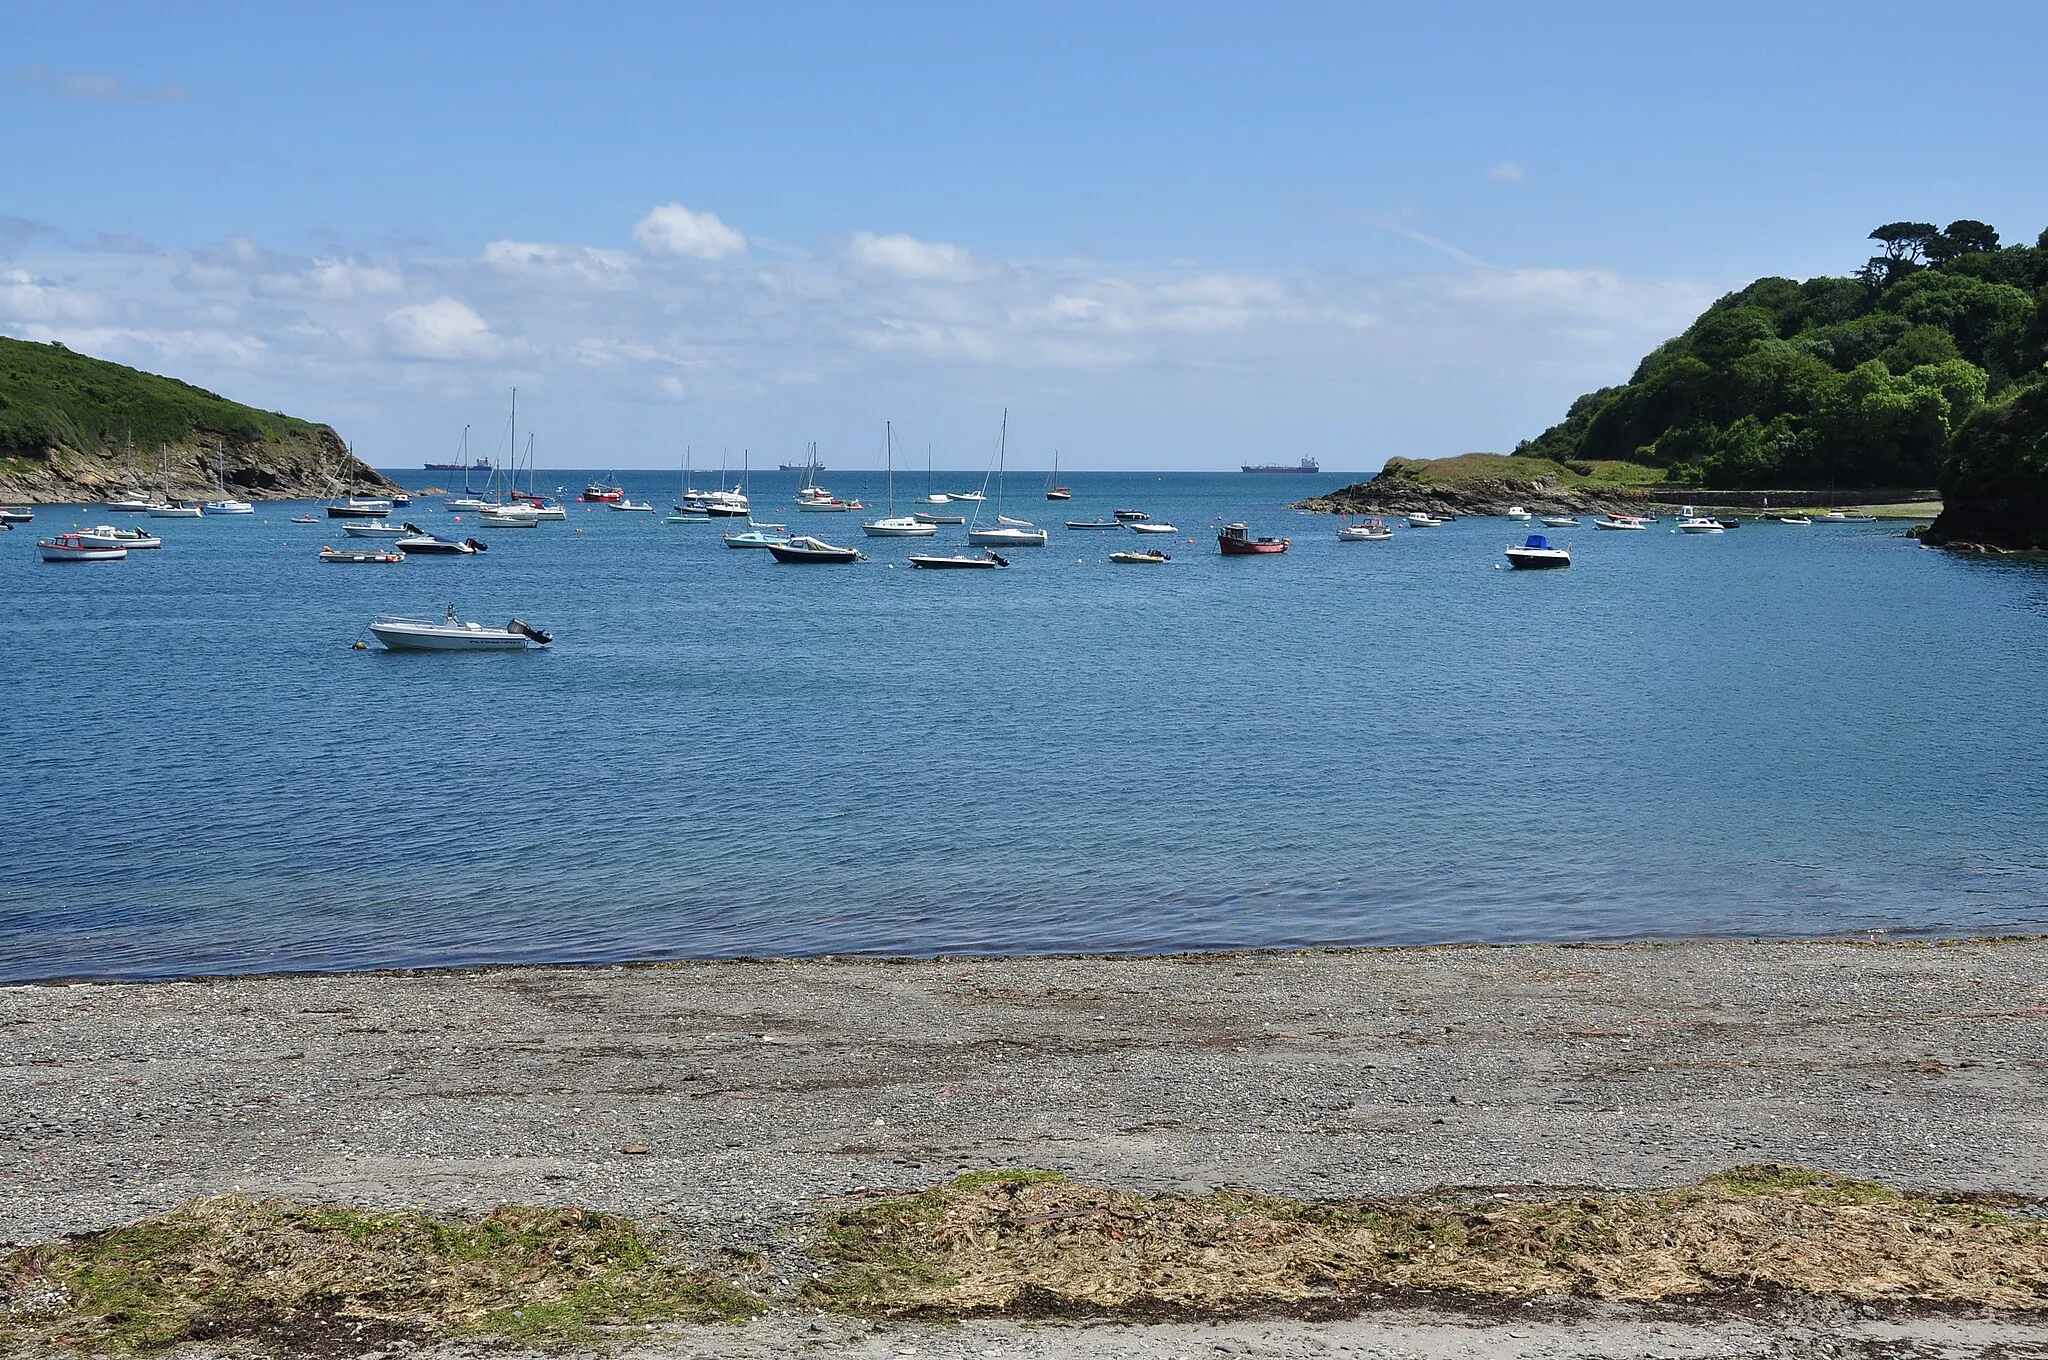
[[1305, 465], [480, 465]]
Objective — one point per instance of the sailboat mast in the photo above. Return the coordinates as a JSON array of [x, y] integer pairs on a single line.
[[889, 444], [1002, 461]]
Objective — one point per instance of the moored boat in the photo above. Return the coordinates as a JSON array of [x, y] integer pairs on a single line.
[[604, 492], [1536, 553], [356, 507], [1235, 540], [1146, 557], [174, 510], [21, 516], [360, 556], [1370, 530], [76, 548], [928, 517], [1620, 522], [450, 634], [433, 544], [1517, 512], [1560, 521], [376, 528], [112, 536], [1150, 526], [805, 550], [1131, 516], [893, 525], [632, 506], [958, 561], [1422, 519], [1095, 524]]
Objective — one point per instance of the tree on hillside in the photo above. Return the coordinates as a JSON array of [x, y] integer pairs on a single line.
[[1961, 237], [1905, 250]]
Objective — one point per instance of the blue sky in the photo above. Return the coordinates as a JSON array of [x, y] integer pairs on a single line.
[[1162, 235]]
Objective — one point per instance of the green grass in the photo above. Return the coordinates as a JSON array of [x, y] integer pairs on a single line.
[[52, 398]]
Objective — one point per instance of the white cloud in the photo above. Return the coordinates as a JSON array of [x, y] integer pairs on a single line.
[[1507, 172], [672, 229], [92, 85], [607, 269], [441, 329], [333, 278], [26, 298], [906, 257]]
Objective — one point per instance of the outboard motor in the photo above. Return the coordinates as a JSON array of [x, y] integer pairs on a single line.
[[474, 546], [540, 635]]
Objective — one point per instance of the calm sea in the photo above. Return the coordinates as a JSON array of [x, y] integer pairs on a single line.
[[1777, 731]]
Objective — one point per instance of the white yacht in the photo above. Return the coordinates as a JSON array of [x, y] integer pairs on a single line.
[[1007, 533], [893, 525]]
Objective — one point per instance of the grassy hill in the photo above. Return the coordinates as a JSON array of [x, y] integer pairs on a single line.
[[66, 420]]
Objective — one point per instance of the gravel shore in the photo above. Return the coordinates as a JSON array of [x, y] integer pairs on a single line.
[[732, 1099]]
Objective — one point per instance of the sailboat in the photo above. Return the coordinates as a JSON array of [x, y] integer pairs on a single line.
[[755, 535], [1053, 490], [933, 499], [894, 525], [163, 507], [689, 505], [132, 503], [1007, 533], [468, 500], [816, 499], [721, 504], [226, 505]]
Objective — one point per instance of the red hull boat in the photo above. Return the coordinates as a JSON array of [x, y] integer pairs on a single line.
[[1236, 541]]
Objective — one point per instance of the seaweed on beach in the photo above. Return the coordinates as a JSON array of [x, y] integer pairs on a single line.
[[317, 1280], [1043, 1246]]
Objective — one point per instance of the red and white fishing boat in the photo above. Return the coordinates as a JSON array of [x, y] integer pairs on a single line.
[[78, 548], [1236, 541], [606, 491]]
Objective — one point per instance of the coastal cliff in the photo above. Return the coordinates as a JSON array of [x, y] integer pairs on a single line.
[[74, 429], [1995, 482]]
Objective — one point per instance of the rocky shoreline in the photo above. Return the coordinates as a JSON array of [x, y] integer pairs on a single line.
[[292, 466], [733, 1099], [1402, 495]]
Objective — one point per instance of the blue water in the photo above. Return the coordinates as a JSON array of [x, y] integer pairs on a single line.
[[1777, 731]]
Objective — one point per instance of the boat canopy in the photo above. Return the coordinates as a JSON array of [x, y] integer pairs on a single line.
[[1537, 541]]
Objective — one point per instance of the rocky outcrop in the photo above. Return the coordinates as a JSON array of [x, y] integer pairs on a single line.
[[1994, 483], [1399, 495], [294, 465]]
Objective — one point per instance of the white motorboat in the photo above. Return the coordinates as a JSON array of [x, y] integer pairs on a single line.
[[1518, 512], [757, 536], [377, 528], [1150, 527], [466, 504], [360, 556], [545, 509], [804, 549], [228, 506], [633, 507], [893, 525], [1536, 552], [450, 634], [958, 561], [1621, 522], [75, 548], [1131, 516], [502, 519], [1831, 517], [1372, 530], [1145, 557], [1560, 521], [131, 505], [433, 544], [971, 497], [1793, 519], [174, 510], [112, 536], [1699, 524], [1422, 519]]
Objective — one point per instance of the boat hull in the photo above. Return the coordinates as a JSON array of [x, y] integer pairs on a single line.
[[1538, 559], [400, 636], [953, 563], [1007, 538], [68, 552], [899, 529]]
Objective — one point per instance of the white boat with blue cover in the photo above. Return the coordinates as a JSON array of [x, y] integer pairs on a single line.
[[1536, 552]]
